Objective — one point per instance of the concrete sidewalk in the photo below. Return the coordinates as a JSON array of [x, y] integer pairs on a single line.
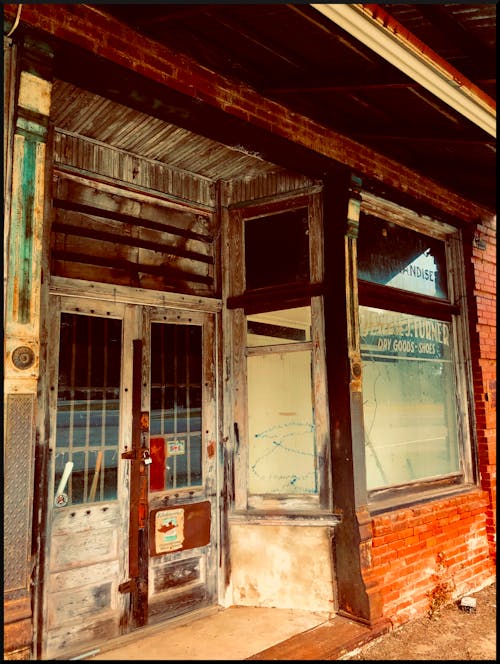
[[239, 633]]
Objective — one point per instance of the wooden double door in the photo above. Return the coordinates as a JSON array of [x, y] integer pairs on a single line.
[[132, 531]]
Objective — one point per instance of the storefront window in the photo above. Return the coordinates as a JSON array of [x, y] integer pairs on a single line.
[[408, 398], [276, 351], [282, 447], [277, 249], [414, 388]]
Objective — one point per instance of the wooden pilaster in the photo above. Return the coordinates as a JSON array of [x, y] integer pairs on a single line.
[[353, 535], [25, 192]]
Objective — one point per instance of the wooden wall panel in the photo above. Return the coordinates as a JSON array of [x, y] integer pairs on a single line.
[[95, 157]]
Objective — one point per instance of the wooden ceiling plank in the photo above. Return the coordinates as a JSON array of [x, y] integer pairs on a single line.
[[464, 40]]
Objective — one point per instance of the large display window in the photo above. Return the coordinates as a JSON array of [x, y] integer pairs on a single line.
[[412, 332], [408, 398]]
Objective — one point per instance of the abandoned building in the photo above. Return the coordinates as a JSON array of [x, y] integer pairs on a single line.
[[249, 313]]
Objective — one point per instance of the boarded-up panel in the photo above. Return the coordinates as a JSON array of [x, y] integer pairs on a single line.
[[179, 575], [104, 233]]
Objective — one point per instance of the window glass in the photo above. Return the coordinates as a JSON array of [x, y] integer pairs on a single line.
[[282, 445], [88, 409], [175, 407], [277, 249], [408, 398], [394, 256], [279, 327]]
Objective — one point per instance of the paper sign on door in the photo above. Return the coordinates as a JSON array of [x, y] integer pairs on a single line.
[[169, 530]]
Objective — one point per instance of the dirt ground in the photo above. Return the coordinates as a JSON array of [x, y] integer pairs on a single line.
[[448, 634]]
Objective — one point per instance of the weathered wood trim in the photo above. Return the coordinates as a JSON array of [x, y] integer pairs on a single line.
[[263, 208], [406, 302], [266, 299], [467, 429], [239, 433], [107, 292], [403, 216], [253, 198], [10, 65], [26, 105], [227, 444], [290, 519], [279, 348]]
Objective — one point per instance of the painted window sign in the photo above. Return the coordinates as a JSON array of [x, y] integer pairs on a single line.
[[401, 335], [410, 422], [169, 530], [402, 258]]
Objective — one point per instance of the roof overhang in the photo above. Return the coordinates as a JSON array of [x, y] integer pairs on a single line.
[[383, 34]]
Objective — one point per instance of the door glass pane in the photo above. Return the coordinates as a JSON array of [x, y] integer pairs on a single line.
[[88, 404], [282, 444], [175, 409], [391, 255], [408, 398]]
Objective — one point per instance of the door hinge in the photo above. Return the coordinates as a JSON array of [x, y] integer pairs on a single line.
[[134, 585], [129, 586]]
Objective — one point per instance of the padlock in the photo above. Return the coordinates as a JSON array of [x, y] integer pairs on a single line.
[[147, 458]]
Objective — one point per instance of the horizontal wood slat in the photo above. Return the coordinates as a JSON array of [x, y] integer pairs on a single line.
[[105, 236], [130, 219], [128, 266]]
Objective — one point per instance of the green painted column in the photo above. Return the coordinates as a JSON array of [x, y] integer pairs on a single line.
[[27, 93]]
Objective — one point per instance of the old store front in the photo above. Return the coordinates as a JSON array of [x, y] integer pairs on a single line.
[[230, 371]]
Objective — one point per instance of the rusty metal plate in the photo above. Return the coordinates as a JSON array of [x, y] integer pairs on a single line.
[[179, 527]]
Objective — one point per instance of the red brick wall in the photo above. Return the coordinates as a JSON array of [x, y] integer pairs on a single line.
[[426, 554], [482, 322]]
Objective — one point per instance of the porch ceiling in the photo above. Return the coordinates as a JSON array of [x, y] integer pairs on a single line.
[[294, 54]]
